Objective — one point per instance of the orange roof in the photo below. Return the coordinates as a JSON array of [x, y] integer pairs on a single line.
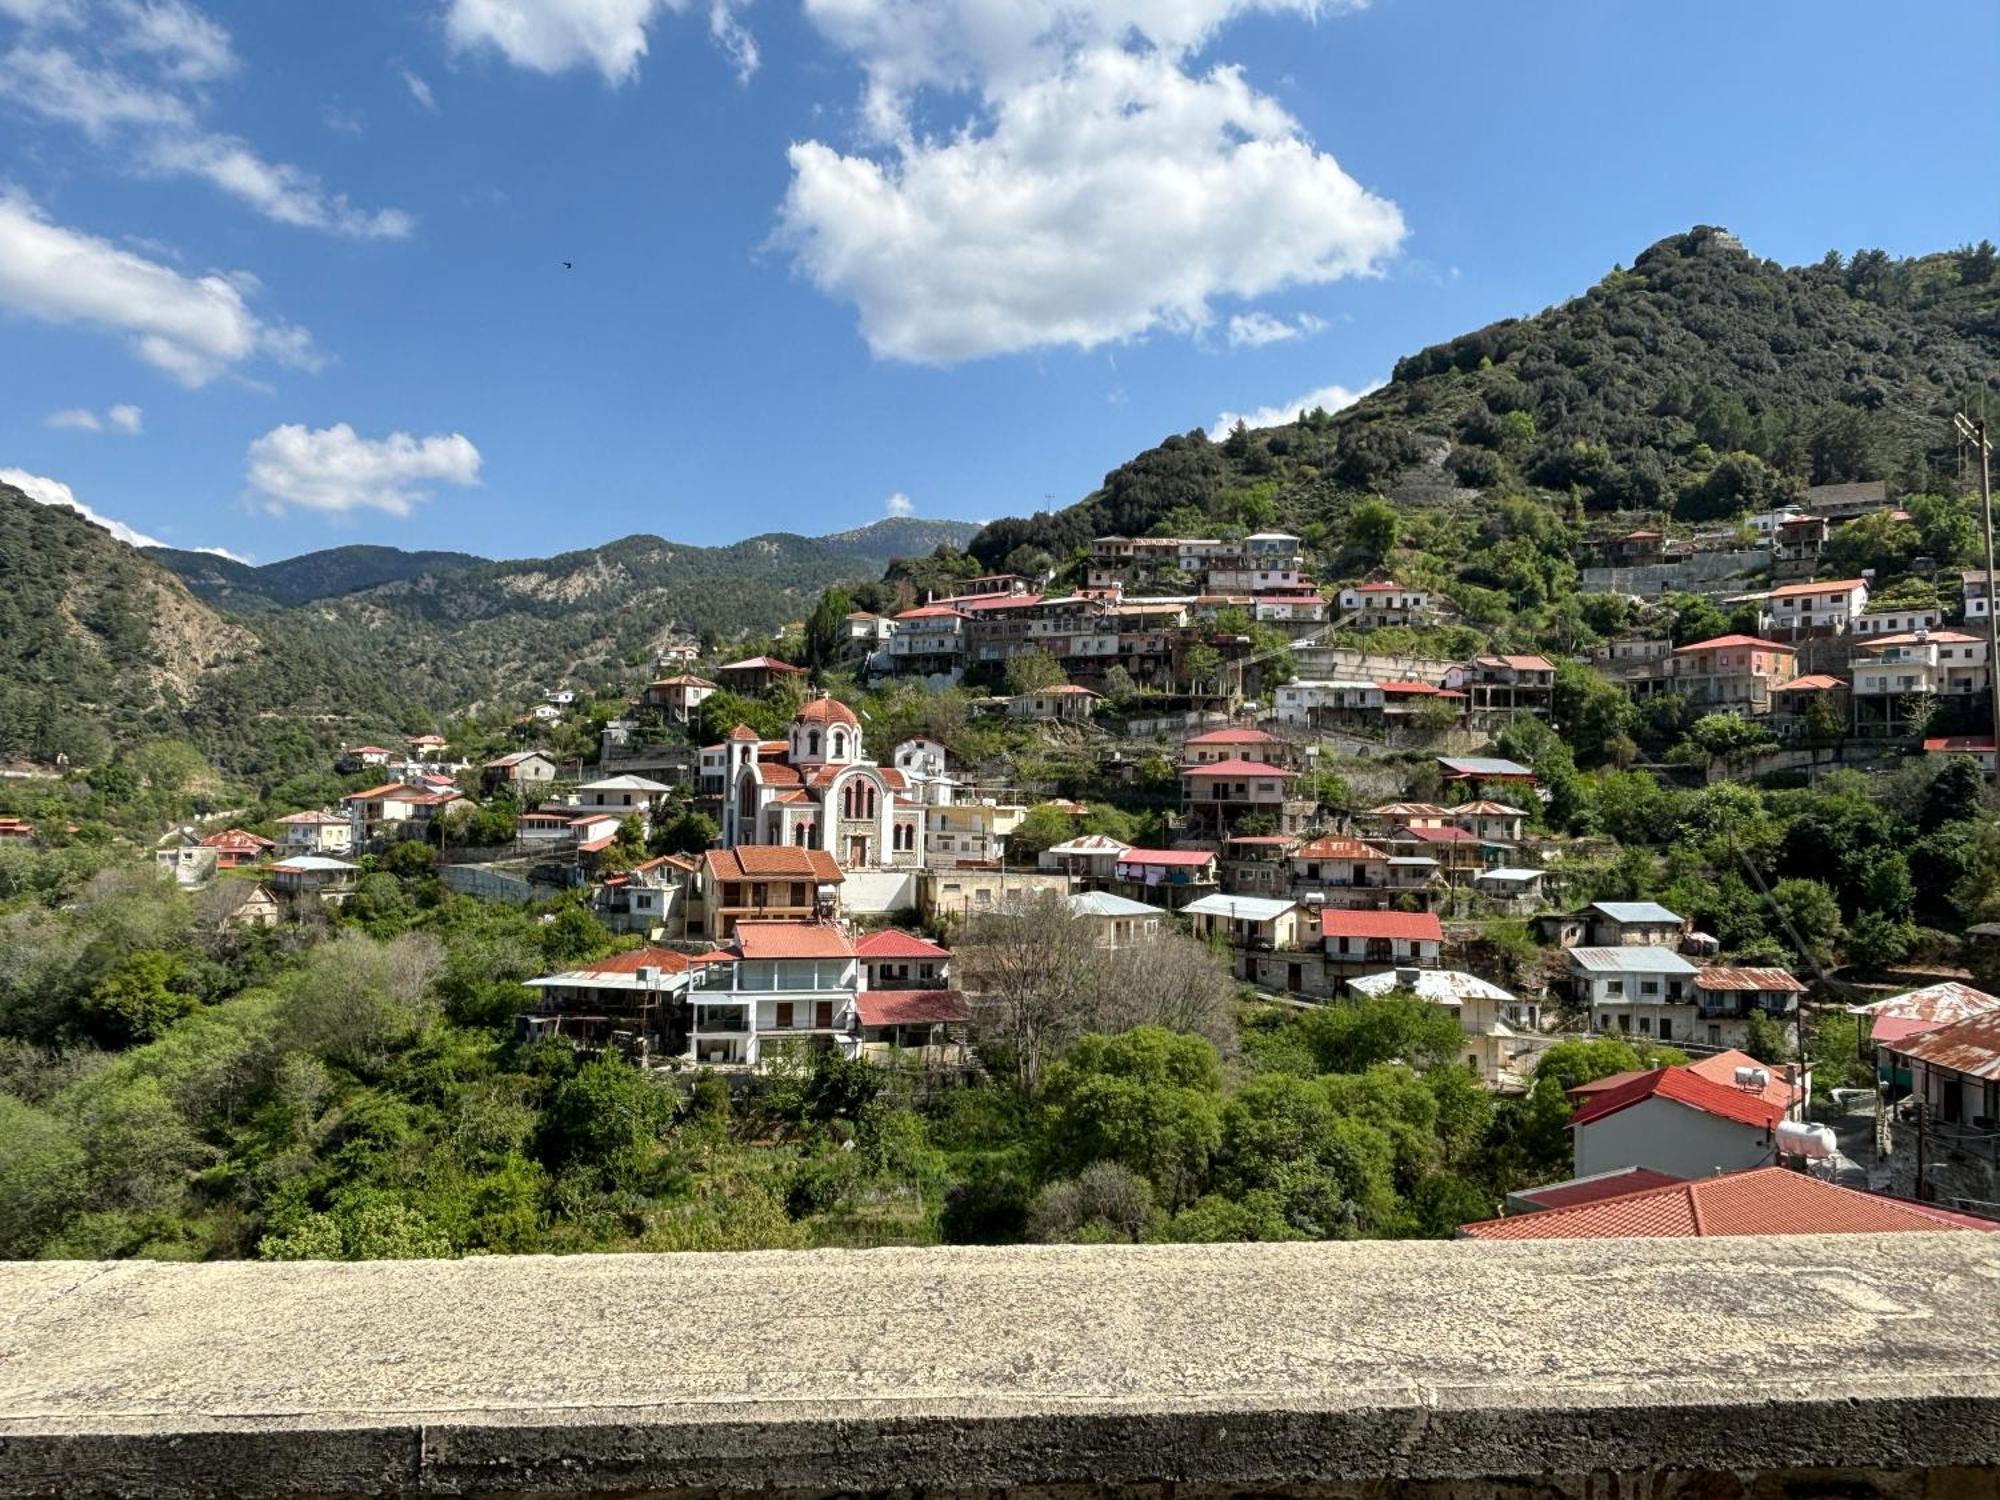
[[1815, 682], [827, 711], [1971, 1047], [1830, 586], [1960, 744], [235, 838], [931, 612], [1237, 768], [893, 942], [1337, 848], [1723, 641], [635, 959], [1523, 663], [1412, 926], [772, 861], [792, 940], [1684, 1086], [912, 1007], [741, 732], [1763, 1200], [760, 663], [1234, 737]]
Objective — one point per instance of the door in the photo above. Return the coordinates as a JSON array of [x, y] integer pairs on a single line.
[[857, 852], [1295, 977], [823, 1015], [1952, 1102]]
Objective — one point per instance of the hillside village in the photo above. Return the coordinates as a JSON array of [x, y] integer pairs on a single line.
[[1546, 838]]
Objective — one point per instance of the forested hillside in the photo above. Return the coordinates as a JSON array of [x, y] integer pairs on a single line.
[[1628, 397], [298, 580], [99, 645]]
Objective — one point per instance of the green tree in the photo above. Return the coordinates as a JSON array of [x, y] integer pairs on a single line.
[[1375, 526], [140, 998], [1033, 672], [826, 631], [1149, 1100]]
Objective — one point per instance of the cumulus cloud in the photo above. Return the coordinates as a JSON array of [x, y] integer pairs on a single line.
[[1329, 398], [276, 190], [1112, 198], [335, 470], [554, 36], [121, 418], [192, 327], [131, 74], [1253, 330], [900, 504], [46, 491]]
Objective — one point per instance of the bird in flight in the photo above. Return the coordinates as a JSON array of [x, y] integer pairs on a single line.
[[569, 265]]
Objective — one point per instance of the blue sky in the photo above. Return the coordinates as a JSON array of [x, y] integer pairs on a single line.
[[284, 275]]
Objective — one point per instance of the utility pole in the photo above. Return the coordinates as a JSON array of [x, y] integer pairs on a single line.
[[1974, 432]]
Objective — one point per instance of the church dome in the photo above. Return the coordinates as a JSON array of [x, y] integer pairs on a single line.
[[826, 711]]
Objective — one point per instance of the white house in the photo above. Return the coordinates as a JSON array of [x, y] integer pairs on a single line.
[[1828, 607], [1372, 939], [316, 832], [1376, 604], [777, 986], [1642, 989], [1090, 856], [1115, 921], [1673, 1120], [1306, 703]]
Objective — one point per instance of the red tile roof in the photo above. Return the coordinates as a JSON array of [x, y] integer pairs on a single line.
[[1812, 682], [760, 663], [1722, 642], [1237, 768], [893, 942], [931, 612], [1187, 857], [236, 838], [1234, 737], [1337, 848], [1412, 926], [1682, 1086], [635, 959], [772, 861], [792, 940], [912, 1007], [826, 711], [1763, 1200], [1615, 1184], [1960, 744], [1831, 585]]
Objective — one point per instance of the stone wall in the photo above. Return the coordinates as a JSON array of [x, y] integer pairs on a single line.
[[1863, 1366]]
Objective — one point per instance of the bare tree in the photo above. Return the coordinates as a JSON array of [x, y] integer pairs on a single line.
[[1035, 968], [1043, 981]]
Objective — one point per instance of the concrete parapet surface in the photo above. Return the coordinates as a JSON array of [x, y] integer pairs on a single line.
[[1867, 1365]]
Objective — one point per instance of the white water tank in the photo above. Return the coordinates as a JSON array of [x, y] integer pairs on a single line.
[[1753, 1078], [1814, 1142]]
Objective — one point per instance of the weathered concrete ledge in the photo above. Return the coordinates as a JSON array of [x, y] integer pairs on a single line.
[[1717, 1367]]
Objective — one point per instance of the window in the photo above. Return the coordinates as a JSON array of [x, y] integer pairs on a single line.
[[1615, 988], [823, 1014]]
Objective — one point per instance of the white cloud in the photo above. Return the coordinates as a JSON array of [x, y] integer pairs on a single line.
[[187, 45], [130, 74], [1328, 398], [46, 491], [734, 38], [332, 469], [419, 90], [1255, 329], [194, 328], [55, 84], [900, 504], [121, 418], [339, 118], [276, 190], [1114, 197], [553, 36]]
